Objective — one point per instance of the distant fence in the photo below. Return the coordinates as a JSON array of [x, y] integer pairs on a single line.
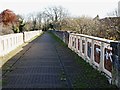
[[11, 41], [102, 54], [63, 35], [31, 34]]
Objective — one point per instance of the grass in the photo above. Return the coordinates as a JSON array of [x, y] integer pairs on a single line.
[[90, 78], [57, 39]]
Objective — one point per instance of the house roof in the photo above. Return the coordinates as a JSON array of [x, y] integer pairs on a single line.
[[110, 20]]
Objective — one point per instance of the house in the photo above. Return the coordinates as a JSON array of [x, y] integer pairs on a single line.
[[109, 27]]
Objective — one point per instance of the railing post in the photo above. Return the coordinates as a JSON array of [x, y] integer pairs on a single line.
[[116, 63], [63, 37], [1, 53], [92, 53], [67, 37], [86, 48], [69, 43], [80, 51], [0, 47], [77, 44], [101, 65]]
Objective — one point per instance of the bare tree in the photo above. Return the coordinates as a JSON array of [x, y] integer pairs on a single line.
[[32, 18], [39, 19], [83, 25], [55, 15]]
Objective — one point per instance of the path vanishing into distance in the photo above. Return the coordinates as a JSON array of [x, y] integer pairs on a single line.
[[47, 63]]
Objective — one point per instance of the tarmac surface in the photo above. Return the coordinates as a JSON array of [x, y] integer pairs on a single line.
[[43, 63]]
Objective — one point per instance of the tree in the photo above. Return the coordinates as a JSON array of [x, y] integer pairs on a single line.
[[114, 25], [39, 19], [0, 18], [9, 16], [55, 15], [9, 20], [82, 25], [21, 25], [32, 18]]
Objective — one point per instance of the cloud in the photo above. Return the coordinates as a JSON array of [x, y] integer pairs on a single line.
[[75, 7]]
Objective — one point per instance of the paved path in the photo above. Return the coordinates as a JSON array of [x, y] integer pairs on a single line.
[[43, 63]]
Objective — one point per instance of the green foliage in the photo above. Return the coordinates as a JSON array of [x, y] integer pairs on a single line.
[[88, 77], [21, 25], [91, 75], [105, 28], [15, 29]]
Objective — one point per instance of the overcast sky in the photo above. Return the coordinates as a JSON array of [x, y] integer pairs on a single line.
[[75, 7]]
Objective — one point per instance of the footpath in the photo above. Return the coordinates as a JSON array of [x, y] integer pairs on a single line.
[[46, 63]]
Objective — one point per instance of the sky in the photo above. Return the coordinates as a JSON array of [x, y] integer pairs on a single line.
[[90, 8]]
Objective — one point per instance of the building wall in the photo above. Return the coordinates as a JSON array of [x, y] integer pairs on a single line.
[[119, 8]]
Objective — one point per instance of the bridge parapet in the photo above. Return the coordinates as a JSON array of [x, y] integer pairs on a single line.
[[12, 41], [31, 34], [116, 63], [99, 53], [63, 35]]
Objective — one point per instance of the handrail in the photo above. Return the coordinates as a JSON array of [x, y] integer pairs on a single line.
[[94, 50], [11, 41]]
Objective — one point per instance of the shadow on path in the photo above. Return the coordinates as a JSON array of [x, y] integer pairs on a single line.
[[45, 63]]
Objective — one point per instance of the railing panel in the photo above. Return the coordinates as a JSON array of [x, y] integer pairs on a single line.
[[89, 50], [30, 35], [11, 41], [96, 51], [102, 54], [8, 43]]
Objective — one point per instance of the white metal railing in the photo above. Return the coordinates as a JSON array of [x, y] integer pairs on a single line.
[[11, 41], [31, 34], [96, 51]]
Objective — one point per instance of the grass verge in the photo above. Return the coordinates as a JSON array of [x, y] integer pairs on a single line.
[[57, 39], [90, 78]]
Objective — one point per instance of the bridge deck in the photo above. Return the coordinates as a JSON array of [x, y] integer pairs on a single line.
[[45, 63]]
